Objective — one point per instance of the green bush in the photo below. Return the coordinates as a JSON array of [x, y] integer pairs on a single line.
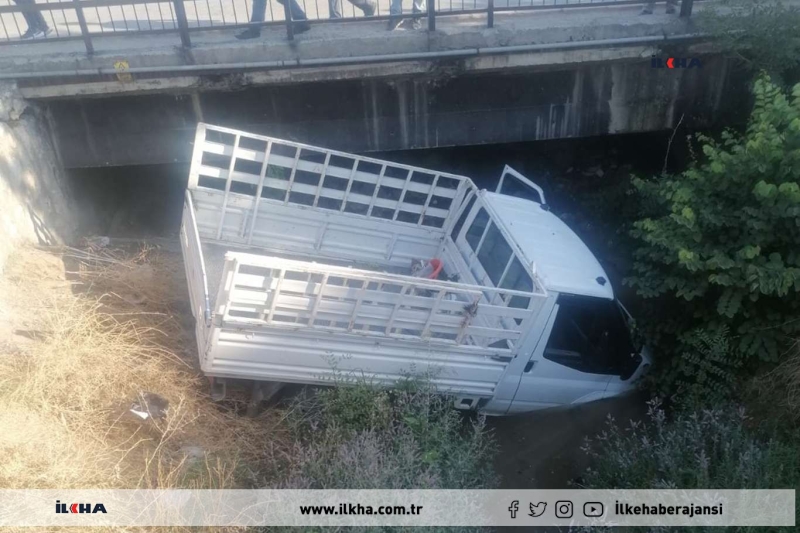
[[355, 436], [708, 449], [718, 254], [360, 437], [704, 372]]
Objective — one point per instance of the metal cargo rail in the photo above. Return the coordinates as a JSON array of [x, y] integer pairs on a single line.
[[267, 291]]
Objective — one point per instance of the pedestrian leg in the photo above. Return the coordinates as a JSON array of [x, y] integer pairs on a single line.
[[258, 15], [259, 11], [300, 24], [368, 7], [395, 14], [420, 6], [335, 8], [34, 20]]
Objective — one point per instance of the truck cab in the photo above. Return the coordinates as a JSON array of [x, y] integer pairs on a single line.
[[581, 349]]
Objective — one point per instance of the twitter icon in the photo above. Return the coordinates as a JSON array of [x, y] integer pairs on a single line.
[[538, 509]]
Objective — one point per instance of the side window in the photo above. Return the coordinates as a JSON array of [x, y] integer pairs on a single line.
[[518, 279], [494, 254], [460, 222], [589, 335], [475, 231]]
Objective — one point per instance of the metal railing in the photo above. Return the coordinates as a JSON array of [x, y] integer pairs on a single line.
[[86, 19]]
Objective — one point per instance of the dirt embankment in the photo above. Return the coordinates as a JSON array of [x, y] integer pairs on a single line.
[[82, 334]]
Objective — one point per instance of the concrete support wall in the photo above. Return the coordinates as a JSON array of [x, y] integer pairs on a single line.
[[35, 203], [444, 107]]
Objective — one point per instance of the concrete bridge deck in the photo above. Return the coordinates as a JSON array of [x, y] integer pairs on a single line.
[[334, 51]]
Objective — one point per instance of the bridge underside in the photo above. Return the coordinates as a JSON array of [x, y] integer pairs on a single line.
[[407, 112]]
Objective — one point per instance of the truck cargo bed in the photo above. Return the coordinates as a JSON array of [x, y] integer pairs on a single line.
[[298, 261]]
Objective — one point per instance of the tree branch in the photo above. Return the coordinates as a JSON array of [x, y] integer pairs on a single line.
[[669, 146]]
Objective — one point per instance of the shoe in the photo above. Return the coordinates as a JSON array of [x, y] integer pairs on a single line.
[[394, 23], [249, 33], [416, 24], [646, 11], [301, 27], [670, 10], [42, 33], [369, 9], [28, 34]]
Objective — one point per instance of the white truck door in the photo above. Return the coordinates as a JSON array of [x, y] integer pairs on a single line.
[[579, 357], [508, 186]]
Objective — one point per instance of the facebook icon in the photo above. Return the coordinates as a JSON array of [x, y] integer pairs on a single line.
[[514, 508]]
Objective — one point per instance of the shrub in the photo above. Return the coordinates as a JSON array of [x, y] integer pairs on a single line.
[[360, 437], [709, 449], [355, 436], [720, 251], [705, 370]]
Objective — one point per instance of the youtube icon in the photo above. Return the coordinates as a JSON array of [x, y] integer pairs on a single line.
[[592, 509]]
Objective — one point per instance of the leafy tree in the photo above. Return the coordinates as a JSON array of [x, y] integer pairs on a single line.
[[765, 34], [720, 253]]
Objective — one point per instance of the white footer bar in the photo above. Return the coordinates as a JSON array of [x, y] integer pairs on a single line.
[[397, 507]]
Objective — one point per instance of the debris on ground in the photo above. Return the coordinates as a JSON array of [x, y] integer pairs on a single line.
[[94, 243], [149, 405]]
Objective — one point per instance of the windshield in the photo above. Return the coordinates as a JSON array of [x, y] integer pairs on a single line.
[[591, 335]]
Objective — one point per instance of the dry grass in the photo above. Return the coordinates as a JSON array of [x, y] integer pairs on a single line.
[[790, 371], [80, 351]]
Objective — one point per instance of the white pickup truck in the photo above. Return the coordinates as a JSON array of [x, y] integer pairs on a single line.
[[299, 264]]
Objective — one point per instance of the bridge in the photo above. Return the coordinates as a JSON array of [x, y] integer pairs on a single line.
[[125, 81]]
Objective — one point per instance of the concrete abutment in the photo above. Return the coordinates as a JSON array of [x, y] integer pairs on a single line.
[[36, 204]]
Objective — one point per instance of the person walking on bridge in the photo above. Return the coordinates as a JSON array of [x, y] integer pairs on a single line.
[[651, 5], [367, 6], [396, 13], [37, 27], [300, 21]]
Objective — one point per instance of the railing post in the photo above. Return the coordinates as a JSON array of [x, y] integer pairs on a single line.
[[686, 8], [490, 14], [87, 40], [183, 24], [431, 15], [289, 23]]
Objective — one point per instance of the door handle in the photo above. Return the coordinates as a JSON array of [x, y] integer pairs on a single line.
[[529, 366]]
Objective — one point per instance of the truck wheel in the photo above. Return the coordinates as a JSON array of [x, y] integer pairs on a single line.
[[262, 391], [218, 389]]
